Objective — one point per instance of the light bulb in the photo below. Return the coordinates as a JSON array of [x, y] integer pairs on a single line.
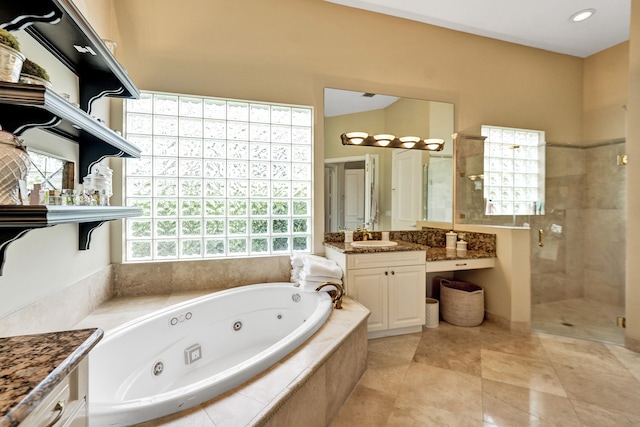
[[409, 141]]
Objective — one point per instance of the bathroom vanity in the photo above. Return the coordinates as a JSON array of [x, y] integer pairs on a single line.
[[391, 280], [391, 284], [44, 380]]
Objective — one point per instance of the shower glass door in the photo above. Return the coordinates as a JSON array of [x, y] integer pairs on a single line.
[[578, 246]]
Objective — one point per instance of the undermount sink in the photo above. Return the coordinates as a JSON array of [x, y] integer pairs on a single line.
[[373, 243]]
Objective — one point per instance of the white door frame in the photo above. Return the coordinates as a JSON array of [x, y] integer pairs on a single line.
[[371, 175]]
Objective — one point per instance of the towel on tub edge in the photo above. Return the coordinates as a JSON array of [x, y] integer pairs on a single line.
[[320, 279]]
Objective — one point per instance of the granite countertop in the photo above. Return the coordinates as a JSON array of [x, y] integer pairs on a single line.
[[402, 246], [32, 365], [442, 254], [433, 254]]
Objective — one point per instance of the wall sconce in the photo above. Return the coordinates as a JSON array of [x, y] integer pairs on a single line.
[[391, 141]]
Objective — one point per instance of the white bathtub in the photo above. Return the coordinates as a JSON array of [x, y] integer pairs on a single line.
[[186, 354]]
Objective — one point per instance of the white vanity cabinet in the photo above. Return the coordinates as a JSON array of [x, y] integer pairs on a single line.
[[390, 284], [66, 405]]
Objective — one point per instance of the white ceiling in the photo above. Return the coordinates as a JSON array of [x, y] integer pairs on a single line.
[[542, 24]]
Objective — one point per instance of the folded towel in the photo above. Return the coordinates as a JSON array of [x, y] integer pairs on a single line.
[[320, 279], [297, 260], [308, 286], [324, 267]]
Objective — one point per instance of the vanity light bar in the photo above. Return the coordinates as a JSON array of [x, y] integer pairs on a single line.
[[391, 141]]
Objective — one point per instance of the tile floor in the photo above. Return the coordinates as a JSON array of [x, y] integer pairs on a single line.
[[483, 376], [486, 376], [580, 318]]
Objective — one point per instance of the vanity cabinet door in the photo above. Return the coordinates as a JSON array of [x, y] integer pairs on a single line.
[[406, 296], [370, 288]]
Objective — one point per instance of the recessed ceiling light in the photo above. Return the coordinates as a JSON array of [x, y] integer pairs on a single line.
[[582, 15]]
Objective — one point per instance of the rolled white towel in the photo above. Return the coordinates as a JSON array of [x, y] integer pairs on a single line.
[[309, 286], [320, 279]]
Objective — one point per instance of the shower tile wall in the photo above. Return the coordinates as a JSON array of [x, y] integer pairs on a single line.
[[604, 225], [583, 255]]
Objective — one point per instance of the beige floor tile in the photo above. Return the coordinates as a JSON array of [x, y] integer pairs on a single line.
[[604, 390], [525, 346], [407, 414], [588, 355], [366, 407], [450, 347], [384, 373], [509, 405], [527, 372], [441, 392], [402, 346], [595, 416], [630, 359]]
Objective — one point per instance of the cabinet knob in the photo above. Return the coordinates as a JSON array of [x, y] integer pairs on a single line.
[[393, 273], [386, 273]]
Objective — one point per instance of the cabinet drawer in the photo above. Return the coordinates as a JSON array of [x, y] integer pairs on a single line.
[[460, 264], [66, 403], [386, 259]]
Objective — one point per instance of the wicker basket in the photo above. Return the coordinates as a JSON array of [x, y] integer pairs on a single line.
[[461, 303]]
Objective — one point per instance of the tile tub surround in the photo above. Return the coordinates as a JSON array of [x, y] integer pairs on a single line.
[[32, 365], [306, 388], [62, 310], [163, 278]]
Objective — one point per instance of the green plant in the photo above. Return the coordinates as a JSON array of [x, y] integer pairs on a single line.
[[8, 39], [31, 68]]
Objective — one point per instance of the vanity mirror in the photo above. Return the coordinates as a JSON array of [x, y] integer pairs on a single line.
[[379, 187]]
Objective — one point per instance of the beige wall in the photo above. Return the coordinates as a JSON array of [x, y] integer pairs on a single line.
[[45, 262], [633, 177], [606, 86]]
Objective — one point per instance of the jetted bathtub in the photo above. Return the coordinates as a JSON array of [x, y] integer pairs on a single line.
[[186, 354]]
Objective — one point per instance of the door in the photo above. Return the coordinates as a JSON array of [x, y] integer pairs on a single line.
[[330, 198], [406, 189], [353, 198], [371, 192], [369, 287], [407, 295]]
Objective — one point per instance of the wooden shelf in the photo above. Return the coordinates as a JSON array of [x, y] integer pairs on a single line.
[[62, 30], [15, 221], [26, 106], [60, 27]]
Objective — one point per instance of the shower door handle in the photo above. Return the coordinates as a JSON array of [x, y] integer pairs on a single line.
[[541, 237]]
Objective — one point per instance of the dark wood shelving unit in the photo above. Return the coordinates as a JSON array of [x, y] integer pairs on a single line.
[[60, 27], [26, 106]]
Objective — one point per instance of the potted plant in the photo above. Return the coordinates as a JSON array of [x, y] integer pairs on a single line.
[[10, 57], [33, 73]]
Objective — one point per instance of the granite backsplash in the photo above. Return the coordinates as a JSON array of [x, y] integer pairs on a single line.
[[428, 236]]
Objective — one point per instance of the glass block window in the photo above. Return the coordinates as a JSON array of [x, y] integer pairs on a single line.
[[217, 178], [513, 171]]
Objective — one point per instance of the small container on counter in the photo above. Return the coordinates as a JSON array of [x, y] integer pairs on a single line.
[[451, 239], [461, 247]]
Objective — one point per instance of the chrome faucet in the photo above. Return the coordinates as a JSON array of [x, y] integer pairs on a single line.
[[336, 294]]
